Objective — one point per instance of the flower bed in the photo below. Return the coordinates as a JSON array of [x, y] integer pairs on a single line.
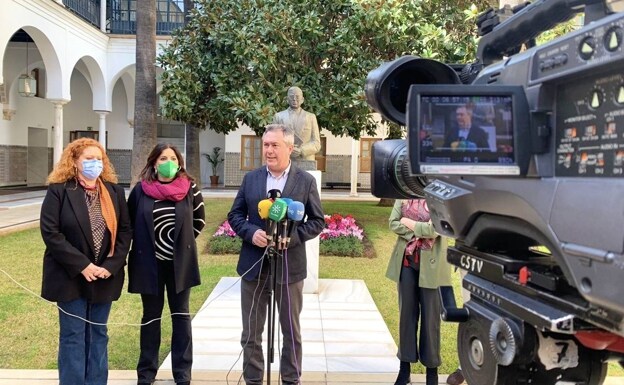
[[225, 241], [340, 237]]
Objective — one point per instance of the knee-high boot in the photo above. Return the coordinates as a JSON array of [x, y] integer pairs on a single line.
[[432, 376], [404, 374]]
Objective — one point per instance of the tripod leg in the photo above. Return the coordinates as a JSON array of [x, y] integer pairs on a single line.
[[271, 341]]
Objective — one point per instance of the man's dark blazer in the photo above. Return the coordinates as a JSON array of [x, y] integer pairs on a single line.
[[476, 135], [66, 232], [142, 262], [245, 221]]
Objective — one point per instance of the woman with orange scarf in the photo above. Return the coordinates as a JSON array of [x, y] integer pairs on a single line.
[[86, 229]]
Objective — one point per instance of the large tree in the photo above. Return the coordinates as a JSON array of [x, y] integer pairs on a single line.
[[192, 131], [145, 99], [236, 58]]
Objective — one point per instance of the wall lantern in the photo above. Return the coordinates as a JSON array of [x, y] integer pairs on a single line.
[[26, 83]]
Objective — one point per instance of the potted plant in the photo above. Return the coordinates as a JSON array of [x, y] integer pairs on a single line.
[[215, 159]]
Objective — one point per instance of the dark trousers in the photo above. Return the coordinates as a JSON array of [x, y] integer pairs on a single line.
[[255, 297], [181, 338], [416, 303]]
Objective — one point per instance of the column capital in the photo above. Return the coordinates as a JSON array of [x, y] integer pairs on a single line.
[[102, 112], [7, 113], [59, 102]]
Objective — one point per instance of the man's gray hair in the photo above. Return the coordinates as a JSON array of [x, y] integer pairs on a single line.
[[289, 134]]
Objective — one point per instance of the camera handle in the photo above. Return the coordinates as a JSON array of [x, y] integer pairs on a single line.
[[530, 21]]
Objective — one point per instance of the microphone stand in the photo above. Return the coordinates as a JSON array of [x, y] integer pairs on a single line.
[[273, 253]]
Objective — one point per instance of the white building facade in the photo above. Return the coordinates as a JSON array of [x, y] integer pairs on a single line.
[[82, 55]]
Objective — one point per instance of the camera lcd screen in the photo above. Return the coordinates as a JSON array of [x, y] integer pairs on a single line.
[[466, 130]]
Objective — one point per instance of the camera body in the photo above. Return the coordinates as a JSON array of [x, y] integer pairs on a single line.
[[523, 166]]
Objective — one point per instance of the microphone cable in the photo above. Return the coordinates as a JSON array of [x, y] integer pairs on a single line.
[[125, 323]]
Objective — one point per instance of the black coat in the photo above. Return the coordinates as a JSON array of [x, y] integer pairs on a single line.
[[66, 232], [245, 221], [142, 262]]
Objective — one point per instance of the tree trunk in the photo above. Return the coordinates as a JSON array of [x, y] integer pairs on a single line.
[[145, 100], [193, 161], [192, 153], [385, 202]]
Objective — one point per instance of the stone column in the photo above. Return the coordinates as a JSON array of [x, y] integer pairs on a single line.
[[58, 130], [102, 127], [355, 150], [311, 284], [103, 16]]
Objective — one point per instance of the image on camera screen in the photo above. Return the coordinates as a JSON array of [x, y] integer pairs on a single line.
[[466, 130]]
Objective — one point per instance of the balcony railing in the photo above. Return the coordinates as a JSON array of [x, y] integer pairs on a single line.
[[88, 10], [121, 15]]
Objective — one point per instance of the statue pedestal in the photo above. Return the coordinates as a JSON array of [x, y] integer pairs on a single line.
[[307, 165], [311, 283]]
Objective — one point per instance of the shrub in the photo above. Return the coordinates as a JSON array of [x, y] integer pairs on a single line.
[[225, 245], [348, 246]]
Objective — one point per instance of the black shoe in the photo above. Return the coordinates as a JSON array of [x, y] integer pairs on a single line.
[[403, 381], [455, 378]]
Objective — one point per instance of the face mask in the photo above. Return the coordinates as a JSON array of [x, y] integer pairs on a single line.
[[168, 169], [92, 168]]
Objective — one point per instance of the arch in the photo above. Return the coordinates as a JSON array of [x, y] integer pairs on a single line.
[[49, 57], [95, 78], [57, 80], [127, 76]]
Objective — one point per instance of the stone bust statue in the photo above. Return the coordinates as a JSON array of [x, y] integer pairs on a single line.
[[303, 123]]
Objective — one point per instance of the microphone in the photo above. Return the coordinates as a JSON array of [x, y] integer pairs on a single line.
[[284, 224], [295, 213], [277, 212], [273, 194], [264, 206]]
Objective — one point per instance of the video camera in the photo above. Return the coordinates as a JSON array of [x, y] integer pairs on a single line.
[[520, 157]]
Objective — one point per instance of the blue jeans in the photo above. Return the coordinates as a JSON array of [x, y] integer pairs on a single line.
[[83, 352]]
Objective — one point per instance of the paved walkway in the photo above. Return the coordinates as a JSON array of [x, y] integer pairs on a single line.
[[128, 377]]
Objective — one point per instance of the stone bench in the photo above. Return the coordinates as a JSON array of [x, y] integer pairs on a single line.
[[333, 185]]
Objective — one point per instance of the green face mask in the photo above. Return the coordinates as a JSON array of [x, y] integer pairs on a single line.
[[168, 169]]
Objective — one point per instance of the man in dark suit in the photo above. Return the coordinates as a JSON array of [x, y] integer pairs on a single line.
[[466, 136], [253, 265]]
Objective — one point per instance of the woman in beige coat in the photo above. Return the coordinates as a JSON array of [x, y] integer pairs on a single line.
[[418, 265]]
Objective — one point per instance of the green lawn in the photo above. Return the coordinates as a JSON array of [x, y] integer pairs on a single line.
[[29, 328]]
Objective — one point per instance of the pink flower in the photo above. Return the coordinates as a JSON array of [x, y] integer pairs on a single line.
[[224, 230], [338, 226]]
